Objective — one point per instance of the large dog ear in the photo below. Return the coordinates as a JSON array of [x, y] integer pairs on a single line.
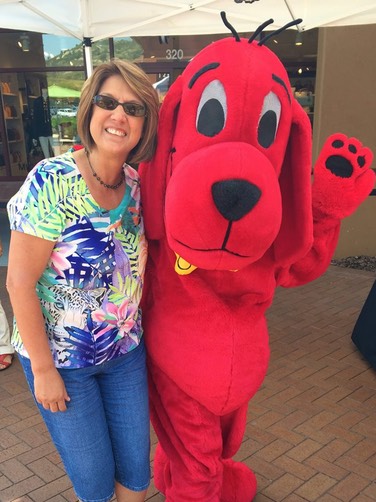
[[295, 237], [154, 174]]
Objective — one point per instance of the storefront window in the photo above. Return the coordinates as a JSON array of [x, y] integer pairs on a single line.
[[39, 111], [64, 90]]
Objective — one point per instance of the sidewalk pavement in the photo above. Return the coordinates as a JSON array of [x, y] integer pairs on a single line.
[[311, 432]]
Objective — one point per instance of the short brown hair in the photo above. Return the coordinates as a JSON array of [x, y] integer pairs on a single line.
[[140, 84]]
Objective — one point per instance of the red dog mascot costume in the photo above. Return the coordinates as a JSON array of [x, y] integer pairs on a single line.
[[230, 214]]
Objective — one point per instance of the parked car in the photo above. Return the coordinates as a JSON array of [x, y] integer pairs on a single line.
[[66, 112]]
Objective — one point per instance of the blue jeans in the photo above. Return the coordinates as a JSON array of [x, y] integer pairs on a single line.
[[105, 433]]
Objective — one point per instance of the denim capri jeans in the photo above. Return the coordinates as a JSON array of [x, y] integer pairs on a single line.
[[105, 433]]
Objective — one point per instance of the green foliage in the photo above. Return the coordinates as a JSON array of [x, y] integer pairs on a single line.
[[125, 48], [70, 123]]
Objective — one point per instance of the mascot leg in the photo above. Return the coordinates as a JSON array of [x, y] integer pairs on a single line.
[[239, 482], [162, 475], [189, 464]]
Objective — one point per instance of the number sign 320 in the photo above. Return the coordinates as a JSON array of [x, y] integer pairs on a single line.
[[174, 54]]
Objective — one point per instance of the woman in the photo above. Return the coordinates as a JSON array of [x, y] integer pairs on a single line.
[[75, 277]]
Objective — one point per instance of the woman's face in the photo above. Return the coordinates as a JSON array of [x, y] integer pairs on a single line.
[[114, 132]]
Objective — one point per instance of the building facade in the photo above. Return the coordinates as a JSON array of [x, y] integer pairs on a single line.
[[40, 90]]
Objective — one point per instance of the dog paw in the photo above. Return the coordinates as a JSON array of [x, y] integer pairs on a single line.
[[342, 176], [346, 156]]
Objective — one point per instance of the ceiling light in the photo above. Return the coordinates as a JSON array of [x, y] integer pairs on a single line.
[[24, 42], [299, 38]]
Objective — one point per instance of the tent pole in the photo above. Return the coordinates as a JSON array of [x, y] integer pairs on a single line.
[[292, 15], [87, 43]]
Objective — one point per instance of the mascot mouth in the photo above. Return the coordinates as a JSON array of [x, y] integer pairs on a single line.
[[209, 250], [185, 267]]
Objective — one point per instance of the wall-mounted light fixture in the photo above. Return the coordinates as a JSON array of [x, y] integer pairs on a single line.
[[299, 38], [24, 42]]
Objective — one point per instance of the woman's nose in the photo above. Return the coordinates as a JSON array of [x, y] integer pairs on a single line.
[[119, 112]]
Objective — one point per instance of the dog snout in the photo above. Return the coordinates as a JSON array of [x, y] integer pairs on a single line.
[[234, 198]]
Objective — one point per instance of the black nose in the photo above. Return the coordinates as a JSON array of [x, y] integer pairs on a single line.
[[235, 198]]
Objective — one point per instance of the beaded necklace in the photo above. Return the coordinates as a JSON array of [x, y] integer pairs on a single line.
[[112, 187]]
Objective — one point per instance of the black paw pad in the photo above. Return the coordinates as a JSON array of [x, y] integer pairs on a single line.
[[339, 166], [361, 161], [337, 143]]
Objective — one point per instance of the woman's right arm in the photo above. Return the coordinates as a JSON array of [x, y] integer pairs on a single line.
[[28, 258]]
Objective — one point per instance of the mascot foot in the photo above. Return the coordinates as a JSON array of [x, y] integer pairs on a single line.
[[239, 482], [161, 470]]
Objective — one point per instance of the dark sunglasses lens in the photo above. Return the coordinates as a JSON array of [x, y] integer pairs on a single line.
[[105, 102], [134, 110]]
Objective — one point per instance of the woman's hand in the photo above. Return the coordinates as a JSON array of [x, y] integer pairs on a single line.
[[50, 390]]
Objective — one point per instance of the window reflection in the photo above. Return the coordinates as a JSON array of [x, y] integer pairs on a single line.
[[62, 51]]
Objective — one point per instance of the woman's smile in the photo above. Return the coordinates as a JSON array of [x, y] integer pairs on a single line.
[[115, 132]]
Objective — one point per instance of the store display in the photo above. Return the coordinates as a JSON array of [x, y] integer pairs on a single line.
[[303, 90], [12, 147]]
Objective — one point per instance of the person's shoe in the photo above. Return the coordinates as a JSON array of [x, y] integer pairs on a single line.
[[5, 361]]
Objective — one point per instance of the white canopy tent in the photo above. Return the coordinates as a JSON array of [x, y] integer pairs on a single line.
[[92, 20]]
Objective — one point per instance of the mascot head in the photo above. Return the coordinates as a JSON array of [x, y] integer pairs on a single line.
[[231, 177]]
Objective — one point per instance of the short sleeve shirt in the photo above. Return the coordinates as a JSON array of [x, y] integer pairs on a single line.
[[91, 288]]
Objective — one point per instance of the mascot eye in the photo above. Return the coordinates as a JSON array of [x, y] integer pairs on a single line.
[[269, 120], [212, 109]]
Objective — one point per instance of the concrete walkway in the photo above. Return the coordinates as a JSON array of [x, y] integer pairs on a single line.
[[311, 433]]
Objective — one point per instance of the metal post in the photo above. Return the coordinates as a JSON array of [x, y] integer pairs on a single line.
[[87, 43]]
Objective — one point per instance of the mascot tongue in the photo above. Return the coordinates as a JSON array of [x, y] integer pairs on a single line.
[[182, 267]]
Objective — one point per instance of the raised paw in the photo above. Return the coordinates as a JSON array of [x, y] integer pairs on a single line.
[[342, 177], [348, 155]]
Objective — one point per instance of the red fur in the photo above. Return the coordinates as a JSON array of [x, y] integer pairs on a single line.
[[206, 332]]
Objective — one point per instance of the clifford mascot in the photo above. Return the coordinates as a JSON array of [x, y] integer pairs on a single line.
[[230, 213]]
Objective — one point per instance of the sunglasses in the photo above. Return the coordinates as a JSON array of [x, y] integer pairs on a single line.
[[107, 103]]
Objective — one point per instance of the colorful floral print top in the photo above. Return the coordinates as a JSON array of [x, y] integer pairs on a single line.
[[91, 288]]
